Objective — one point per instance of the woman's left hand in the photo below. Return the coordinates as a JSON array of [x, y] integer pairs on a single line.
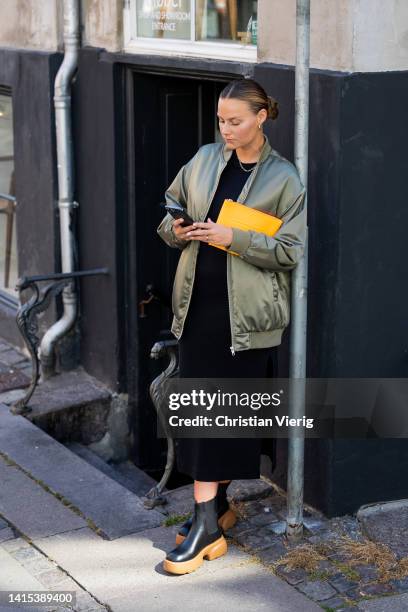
[[211, 232]]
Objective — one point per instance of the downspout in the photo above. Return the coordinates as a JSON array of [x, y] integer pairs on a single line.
[[62, 105], [297, 363]]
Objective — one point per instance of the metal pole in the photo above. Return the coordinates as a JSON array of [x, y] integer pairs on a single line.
[[297, 364], [66, 204]]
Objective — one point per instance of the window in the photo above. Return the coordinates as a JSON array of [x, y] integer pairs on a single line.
[[163, 19], [227, 20], [212, 28], [8, 251]]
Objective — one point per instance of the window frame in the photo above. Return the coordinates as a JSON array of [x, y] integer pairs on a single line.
[[7, 299], [192, 48]]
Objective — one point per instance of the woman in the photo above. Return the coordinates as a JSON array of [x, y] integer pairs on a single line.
[[229, 310]]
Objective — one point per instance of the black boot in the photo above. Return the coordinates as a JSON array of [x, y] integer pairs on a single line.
[[204, 540], [226, 517]]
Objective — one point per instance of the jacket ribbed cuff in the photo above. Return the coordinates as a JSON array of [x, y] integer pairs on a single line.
[[241, 240], [174, 238]]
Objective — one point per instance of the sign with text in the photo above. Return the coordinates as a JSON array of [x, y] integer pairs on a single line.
[[164, 19]]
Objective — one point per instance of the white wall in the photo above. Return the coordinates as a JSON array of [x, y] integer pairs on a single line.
[[30, 24], [345, 35], [331, 28], [103, 24], [38, 24], [381, 35]]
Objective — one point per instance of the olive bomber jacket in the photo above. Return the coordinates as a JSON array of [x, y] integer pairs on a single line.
[[259, 278]]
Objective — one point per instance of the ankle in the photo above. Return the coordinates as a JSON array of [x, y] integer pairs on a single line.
[[204, 491], [201, 498]]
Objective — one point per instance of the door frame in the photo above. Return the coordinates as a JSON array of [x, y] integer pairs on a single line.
[[129, 326]]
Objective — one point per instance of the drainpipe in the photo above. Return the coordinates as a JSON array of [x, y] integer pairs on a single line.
[[297, 363], [62, 105]]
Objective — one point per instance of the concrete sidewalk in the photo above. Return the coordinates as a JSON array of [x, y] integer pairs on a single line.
[[49, 542], [67, 525], [125, 575]]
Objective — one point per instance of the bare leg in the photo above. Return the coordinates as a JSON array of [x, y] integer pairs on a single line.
[[203, 491]]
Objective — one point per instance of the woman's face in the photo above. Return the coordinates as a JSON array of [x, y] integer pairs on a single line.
[[238, 124]]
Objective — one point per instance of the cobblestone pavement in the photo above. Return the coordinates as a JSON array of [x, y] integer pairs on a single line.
[[15, 373], [336, 580]]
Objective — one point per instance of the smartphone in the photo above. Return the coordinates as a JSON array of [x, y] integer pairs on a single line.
[[178, 212]]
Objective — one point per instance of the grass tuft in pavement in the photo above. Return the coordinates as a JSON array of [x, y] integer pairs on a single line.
[[175, 519]]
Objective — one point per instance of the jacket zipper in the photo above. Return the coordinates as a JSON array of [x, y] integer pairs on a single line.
[[229, 303], [229, 297], [224, 163], [245, 192]]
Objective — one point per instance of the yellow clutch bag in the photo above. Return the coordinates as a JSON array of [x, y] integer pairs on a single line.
[[234, 214]]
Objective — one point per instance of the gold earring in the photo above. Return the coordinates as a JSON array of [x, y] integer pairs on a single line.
[[259, 125]]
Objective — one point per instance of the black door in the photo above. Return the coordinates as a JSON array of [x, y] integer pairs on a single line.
[[172, 117]]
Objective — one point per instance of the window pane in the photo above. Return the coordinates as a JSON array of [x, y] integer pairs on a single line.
[[227, 20], [8, 251], [164, 19]]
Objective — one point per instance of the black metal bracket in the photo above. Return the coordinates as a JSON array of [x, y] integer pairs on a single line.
[[152, 294], [27, 313]]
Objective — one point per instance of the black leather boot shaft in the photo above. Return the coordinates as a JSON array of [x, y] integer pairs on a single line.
[[204, 530], [222, 502], [222, 507]]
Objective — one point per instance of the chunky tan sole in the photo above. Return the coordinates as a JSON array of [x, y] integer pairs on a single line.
[[226, 521], [210, 552]]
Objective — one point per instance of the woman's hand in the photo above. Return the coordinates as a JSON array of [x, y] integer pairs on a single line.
[[210, 232], [180, 231]]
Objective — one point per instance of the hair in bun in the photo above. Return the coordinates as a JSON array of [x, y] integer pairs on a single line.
[[273, 110], [254, 94]]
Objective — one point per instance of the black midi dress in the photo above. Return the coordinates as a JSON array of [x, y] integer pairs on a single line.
[[204, 351]]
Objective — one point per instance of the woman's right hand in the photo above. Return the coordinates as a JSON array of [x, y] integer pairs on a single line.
[[179, 231]]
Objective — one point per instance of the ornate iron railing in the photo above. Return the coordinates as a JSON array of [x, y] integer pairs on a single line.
[[28, 312], [160, 349]]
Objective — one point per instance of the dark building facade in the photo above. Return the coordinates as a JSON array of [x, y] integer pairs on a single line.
[[137, 118]]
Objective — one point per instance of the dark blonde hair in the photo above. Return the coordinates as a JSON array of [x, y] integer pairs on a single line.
[[254, 94]]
